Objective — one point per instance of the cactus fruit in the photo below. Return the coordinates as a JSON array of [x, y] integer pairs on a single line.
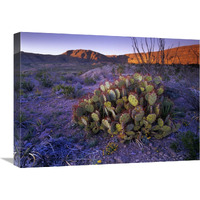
[[151, 118], [131, 106], [152, 97], [133, 100]]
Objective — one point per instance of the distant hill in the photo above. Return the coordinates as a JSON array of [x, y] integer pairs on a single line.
[[179, 55]]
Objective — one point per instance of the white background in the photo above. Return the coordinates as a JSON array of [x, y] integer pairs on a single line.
[[166, 180]]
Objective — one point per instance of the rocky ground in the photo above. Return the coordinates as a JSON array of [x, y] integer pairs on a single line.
[[48, 136]]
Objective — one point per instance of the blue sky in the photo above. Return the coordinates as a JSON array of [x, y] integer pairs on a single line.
[[49, 43]]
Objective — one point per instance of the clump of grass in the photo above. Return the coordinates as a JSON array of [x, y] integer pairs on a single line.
[[27, 86], [111, 148], [188, 142], [89, 81]]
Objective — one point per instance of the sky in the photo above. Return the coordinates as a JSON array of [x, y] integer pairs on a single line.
[[55, 44]]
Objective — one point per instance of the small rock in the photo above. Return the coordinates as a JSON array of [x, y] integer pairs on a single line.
[[161, 153], [148, 152], [79, 147], [118, 159]]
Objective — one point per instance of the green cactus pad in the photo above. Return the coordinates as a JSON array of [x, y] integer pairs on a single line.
[[160, 122], [95, 98], [117, 92], [112, 95], [151, 118], [129, 133], [107, 85], [106, 123], [160, 90], [124, 118], [137, 77], [89, 108], [97, 92], [148, 78], [157, 80], [125, 99], [129, 127], [95, 117], [107, 104], [152, 97], [157, 109], [166, 129], [84, 120], [102, 87], [80, 111], [121, 84], [133, 100], [120, 102], [139, 116], [149, 88], [136, 128]]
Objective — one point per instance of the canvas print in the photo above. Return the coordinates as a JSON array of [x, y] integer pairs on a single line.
[[93, 100]]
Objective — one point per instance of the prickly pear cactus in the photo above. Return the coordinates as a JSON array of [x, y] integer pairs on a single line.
[[130, 108]]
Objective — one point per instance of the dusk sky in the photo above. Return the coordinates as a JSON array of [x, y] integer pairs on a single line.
[[48, 43]]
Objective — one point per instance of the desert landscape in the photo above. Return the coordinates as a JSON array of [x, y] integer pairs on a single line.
[[49, 88]]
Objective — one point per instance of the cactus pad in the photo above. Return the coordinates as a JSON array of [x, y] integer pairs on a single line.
[[133, 100]]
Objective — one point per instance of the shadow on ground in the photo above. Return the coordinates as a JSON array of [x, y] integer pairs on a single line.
[[10, 160]]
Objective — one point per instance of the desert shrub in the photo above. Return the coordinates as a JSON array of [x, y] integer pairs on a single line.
[[120, 69], [40, 73], [66, 90], [80, 73], [46, 81], [188, 142], [89, 81], [130, 108], [27, 86]]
